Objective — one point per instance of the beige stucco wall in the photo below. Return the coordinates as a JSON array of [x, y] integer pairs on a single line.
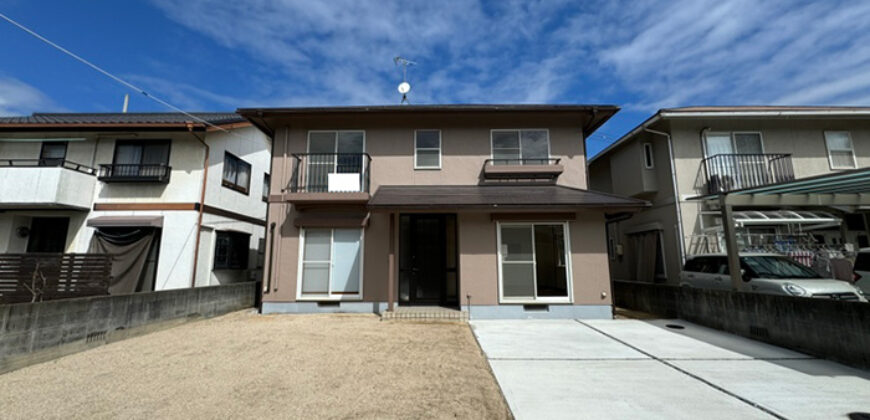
[[465, 146]]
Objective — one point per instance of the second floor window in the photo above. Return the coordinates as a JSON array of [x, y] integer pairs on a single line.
[[52, 153], [520, 147], [266, 183], [427, 149], [144, 158], [841, 155], [648, 157], [745, 143], [237, 173]]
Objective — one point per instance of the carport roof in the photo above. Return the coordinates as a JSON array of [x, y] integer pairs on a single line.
[[493, 197], [842, 188]]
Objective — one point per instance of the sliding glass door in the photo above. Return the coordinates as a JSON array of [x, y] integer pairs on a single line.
[[331, 264], [534, 263]]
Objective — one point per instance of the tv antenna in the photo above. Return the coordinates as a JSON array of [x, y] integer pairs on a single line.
[[404, 87]]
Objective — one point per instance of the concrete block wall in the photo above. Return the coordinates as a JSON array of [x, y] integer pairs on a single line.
[[36, 332], [829, 329]]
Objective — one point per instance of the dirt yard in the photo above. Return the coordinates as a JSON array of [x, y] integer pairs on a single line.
[[284, 366]]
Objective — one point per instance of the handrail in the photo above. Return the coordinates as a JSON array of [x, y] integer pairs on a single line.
[[311, 170], [733, 171], [523, 161], [47, 163], [135, 172]]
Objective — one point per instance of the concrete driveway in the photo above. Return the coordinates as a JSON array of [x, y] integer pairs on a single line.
[[644, 369]]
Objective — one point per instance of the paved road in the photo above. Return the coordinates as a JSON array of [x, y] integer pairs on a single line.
[[643, 369]]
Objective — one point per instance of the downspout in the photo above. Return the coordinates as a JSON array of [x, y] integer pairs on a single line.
[[679, 225], [201, 205]]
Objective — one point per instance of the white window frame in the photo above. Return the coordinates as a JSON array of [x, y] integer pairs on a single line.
[[417, 167], [648, 148], [731, 135], [520, 137], [329, 296], [566, 232], [851, 149]]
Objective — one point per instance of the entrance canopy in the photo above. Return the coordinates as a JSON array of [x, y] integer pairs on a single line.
[[495, 197]]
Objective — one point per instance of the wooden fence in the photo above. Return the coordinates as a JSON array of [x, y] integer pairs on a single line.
[[39, 277]]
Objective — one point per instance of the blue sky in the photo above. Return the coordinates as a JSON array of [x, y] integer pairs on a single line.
[[640, 55]]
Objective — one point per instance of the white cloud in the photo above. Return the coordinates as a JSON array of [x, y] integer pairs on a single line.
[[19, 98], [656, 54]]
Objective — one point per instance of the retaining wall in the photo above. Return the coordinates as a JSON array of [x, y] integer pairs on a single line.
[[824, 328], [36, 332]]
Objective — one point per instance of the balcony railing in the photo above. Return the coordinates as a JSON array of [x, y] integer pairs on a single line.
[[518, 169], [330, 172], [730, 172], [47, 163], [135, 173]]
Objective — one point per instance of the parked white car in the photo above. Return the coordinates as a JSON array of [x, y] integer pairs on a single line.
[[766, 273], [861, 272]]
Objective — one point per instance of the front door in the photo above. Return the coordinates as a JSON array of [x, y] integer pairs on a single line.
[[427, 260]]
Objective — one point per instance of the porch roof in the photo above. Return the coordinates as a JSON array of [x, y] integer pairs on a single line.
[[495, 197]]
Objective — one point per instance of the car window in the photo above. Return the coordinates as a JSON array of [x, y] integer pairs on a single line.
[[693, 264], [776, 267], [862, 263], [722, 265]]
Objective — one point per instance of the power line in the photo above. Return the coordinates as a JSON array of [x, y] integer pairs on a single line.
[[110, 75]]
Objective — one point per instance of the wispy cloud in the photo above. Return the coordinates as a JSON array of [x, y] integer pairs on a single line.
[[657, 54], [19, 98]]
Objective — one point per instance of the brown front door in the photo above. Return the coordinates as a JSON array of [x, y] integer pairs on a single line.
[[427, 260]]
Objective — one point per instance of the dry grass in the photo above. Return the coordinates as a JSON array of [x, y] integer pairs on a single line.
[[285, 366]]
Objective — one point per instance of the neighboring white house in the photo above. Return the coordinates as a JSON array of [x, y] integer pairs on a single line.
[[134, 182]]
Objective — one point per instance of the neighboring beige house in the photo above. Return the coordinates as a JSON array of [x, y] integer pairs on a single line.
[[480, 206], [699, 154], [135, 183]]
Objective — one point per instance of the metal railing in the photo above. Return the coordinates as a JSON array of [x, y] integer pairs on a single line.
[[47, 163], [729, 172], [134, 173], [311, 172], [497, 162]]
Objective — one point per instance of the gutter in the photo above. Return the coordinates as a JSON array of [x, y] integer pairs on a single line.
[[201, 205], [679, 225]]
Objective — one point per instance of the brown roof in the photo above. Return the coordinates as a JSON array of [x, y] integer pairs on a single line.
[[599, 114], [494, 197], [118, 120]]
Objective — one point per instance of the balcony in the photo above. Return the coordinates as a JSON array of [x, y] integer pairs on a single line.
[[330, 178], [46, 183], [528, 169], [729, 172], [156, 173]]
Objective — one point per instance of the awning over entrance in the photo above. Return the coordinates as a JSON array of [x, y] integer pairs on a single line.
[[495, 197], [126, 221]]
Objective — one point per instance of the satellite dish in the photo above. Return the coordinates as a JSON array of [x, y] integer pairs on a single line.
[[404, 87]]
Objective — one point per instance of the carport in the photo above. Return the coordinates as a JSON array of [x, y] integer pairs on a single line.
[[846, 191]]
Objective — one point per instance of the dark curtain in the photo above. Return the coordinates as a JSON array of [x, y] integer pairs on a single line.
[[130, 248]]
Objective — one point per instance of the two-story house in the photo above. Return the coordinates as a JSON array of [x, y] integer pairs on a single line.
[[474, 206], [176, 201], [790, 179]]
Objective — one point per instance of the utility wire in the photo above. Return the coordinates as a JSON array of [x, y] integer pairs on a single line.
[[110, 75]]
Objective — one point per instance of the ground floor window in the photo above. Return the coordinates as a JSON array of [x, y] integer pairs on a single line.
[[231, 250], [331, 263], [534, 262]]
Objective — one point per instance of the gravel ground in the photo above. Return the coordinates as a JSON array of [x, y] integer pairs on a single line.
[[281, 366]]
